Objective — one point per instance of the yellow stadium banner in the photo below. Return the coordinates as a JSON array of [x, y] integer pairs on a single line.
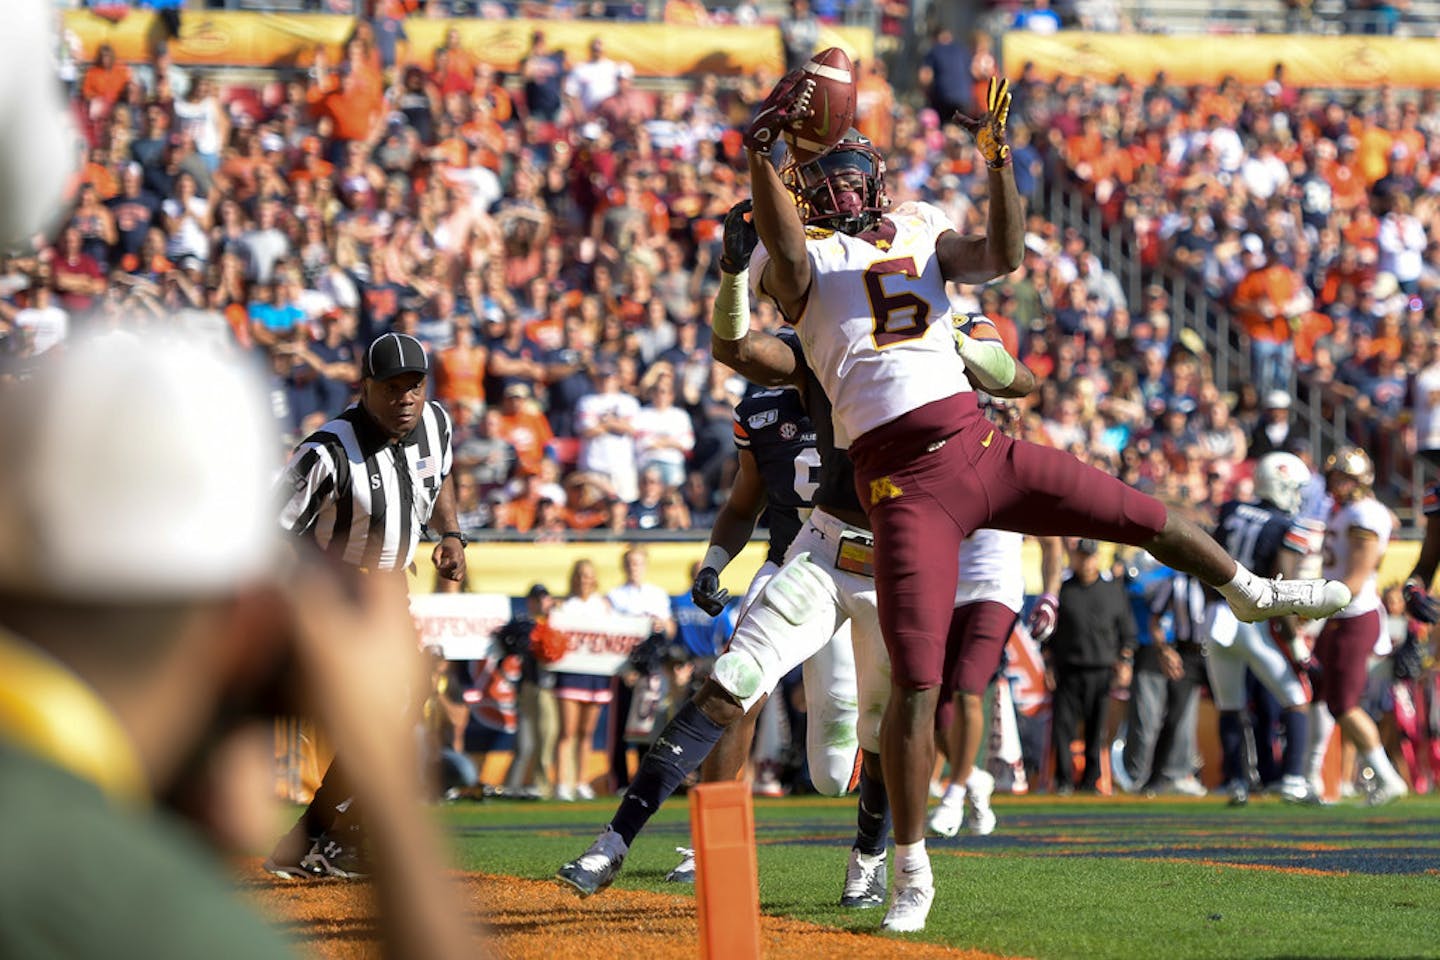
[[246, 39], [215, 37], [654, 49], [1344, 62], [512, 568]]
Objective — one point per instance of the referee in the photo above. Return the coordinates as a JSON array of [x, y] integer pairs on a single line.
[[362, 489]]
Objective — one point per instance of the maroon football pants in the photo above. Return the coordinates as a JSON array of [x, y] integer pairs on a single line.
[[925, 494]]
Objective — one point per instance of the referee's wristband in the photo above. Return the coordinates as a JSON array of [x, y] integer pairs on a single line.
[[457, 535]]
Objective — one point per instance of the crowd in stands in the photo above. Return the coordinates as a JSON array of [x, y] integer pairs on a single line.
[[552, 237], [1313, 217]]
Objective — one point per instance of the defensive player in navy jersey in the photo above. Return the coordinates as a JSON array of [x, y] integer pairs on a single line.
[[1265, 536], [777, 474]]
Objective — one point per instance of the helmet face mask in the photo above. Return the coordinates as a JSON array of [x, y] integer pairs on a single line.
[[844, 190], [1281, 478]]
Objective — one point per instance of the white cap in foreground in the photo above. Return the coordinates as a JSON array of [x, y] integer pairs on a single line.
[[137, 470]]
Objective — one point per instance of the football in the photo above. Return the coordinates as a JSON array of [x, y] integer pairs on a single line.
[[832, 106]]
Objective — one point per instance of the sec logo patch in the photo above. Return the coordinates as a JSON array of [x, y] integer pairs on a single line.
[[788, 431]]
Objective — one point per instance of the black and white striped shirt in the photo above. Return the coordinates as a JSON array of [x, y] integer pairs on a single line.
[[1184, 598], [363, 498]]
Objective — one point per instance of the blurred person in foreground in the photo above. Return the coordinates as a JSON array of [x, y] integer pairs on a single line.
[[143, 658]]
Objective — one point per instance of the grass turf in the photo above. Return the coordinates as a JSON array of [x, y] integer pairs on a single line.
[[1083, 877]]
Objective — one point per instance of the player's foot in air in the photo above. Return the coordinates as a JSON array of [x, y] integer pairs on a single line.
[[946, 819], [1313, 599], [865, 881], [685, 871], [597, 867], [978, 815], [909, 909]]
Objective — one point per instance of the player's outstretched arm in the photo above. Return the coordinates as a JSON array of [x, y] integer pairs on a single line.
[[734, 526], [787, 276], [1000, 250], [757, 356]]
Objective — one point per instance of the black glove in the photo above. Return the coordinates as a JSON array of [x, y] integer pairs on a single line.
[[1419, 603], [707, 592], [738, 240]]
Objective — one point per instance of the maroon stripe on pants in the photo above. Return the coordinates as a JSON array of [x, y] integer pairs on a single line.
[[1343, 650]]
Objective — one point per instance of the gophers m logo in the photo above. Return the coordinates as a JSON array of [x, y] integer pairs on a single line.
[[788, 431], [883, 489]]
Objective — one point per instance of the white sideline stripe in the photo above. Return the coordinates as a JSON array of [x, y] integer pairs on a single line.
[[828, 72]]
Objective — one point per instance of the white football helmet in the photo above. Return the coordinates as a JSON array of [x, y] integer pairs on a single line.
[[1281, 478]]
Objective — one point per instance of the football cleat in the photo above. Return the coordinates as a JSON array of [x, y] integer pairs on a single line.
[[597, 867], [685, 872], [287, 859], [1296, 789], [1238, 792], [946, 819], [909, 909], [1313, 599], [1380, 790], [341, 856], [865, 881], [978, 815]]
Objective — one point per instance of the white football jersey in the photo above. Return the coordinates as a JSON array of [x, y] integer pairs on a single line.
[[990, 569], [876, 327], [1368, 514]]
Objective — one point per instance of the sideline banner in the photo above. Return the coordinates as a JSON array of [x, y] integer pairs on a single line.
[[247, 39], [215, 37], [597, 646], [655, 49], [1310, 61], [461, 624]]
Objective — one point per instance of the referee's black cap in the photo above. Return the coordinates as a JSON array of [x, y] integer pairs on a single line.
[[394, 354]]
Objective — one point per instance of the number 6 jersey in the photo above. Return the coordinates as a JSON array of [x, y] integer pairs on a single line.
[[876, 324]]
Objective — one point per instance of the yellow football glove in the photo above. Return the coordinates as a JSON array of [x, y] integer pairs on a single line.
[[989, 129]]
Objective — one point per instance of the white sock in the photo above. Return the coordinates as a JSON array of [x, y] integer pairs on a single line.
[[912, 865], [1243, 586], [1322, 725], [954, 795], [1384, 769]]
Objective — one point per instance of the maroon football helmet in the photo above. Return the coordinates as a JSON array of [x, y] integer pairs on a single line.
[[843, 190]]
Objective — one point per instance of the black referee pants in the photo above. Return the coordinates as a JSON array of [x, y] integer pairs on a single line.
[[1082, 696]]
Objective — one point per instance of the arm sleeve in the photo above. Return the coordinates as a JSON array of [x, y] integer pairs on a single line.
[[306, 484]]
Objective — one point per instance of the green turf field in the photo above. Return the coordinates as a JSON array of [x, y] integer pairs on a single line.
[[1082, 877]]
